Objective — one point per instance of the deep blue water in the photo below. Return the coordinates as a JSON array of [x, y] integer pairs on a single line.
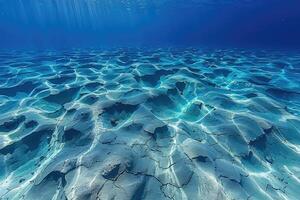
[[95, 23], [145, 100]]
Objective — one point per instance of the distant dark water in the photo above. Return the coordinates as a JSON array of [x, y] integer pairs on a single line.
[[92, 23]]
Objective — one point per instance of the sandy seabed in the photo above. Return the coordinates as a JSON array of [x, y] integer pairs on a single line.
[[150, 124]]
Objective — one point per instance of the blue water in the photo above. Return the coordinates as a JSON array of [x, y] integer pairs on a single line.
[[140, 99], [98, 23]]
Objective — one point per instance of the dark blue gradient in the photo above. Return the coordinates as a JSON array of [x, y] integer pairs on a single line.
[[83, 23]]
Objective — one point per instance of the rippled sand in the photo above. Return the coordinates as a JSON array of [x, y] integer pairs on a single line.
[[150, 124]]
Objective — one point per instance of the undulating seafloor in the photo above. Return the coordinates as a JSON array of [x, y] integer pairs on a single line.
[[150, 124]]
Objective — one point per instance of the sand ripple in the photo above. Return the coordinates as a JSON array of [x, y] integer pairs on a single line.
[[150, 124]]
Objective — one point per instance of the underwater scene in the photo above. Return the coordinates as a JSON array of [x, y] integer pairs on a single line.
[[149, 99]]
